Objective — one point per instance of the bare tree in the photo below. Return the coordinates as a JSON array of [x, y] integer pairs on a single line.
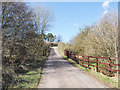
[[58, 39], [23, 38]]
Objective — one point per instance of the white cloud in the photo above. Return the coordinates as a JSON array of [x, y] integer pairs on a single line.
[[105, 5], [75, 24], [105, 12]]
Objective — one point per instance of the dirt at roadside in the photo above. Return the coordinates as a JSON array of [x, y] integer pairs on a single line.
[[58, 73]]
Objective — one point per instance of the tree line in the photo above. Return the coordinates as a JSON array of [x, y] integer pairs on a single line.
[[23, 38], [53, 38], [99, 39]]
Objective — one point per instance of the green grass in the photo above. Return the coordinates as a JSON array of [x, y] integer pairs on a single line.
[[103, 78], [29, 80], [119, 81], [32, 75]]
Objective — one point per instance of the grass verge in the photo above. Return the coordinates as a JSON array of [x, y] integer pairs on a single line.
[[31, 75], [108, 81]]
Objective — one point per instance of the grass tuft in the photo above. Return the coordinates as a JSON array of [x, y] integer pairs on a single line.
[[32, 76], [108, 81]]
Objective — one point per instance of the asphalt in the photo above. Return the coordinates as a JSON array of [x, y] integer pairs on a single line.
[[58, 73]]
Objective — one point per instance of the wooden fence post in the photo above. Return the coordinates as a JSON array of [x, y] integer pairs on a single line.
[[97, 65], [72, 55], [67, 54], [110, 66], [77, 59], [82, 60], [88, 63]]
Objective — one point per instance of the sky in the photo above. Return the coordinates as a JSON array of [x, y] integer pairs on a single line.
[[71, 16]]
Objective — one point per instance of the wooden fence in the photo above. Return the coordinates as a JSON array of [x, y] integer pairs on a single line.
[[105, 65]]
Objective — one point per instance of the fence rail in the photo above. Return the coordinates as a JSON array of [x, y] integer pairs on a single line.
[[108, 65]]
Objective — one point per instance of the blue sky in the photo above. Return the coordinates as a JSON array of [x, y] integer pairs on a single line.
[[70, 16]]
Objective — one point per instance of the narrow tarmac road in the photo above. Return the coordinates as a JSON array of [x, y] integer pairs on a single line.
[[58, 73]]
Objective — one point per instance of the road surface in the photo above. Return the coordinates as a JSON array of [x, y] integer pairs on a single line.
[[58, 73]]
